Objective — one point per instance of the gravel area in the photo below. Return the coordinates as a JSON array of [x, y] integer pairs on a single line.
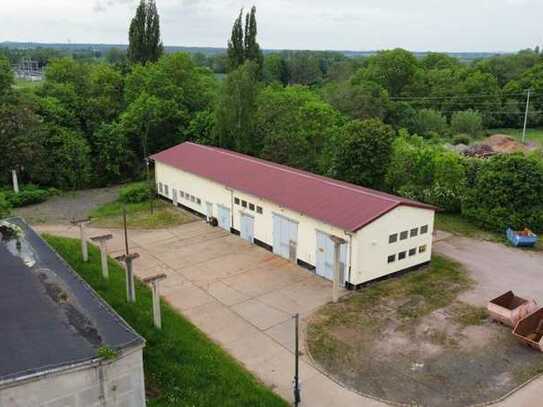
[[70, 205]]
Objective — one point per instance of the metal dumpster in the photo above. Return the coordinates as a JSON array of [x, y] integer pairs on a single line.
[[530, 330], [510, 309], [523, 238]]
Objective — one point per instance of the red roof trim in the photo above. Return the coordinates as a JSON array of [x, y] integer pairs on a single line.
[[347, 206]]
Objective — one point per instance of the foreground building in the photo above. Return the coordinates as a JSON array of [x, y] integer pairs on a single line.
[[295, 213], [57, 333]]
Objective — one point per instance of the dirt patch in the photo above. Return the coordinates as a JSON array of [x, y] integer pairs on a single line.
[[68, 206], [410, 340]]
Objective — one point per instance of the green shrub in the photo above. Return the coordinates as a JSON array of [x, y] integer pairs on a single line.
[[507, 191], [469, 122], [28, 195], [136, 193], [428, 121], [4, 206], [461, 139]]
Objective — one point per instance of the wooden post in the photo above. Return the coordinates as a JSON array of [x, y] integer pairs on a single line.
[[154, 281], [15, 181], [130, 286], [102, 240], [82, 223], [337, 250]]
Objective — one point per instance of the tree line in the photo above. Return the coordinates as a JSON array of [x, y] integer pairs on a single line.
[[380, 121]]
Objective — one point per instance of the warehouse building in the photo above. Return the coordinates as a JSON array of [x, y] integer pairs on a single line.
[[60, 344], [295, 213]]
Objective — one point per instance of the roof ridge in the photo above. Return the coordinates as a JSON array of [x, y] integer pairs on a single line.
[[302, 173]]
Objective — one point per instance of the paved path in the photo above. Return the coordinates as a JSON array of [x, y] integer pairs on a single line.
[[243, 297]]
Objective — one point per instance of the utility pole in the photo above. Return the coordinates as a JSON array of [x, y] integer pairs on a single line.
[[130, 284], [125, 231], [82, 223], [103, 252], [297, 398], [526, 116], [154, 280]]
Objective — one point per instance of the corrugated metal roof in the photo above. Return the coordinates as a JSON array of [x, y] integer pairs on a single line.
[[344, 205]]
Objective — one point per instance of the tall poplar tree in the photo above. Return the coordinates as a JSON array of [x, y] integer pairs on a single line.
[[144, 44], [242, 45]]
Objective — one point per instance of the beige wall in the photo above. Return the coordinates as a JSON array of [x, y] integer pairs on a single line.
[[368, 248], [373, 247], [116, 383]]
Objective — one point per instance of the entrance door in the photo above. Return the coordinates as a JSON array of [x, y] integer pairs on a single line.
[[174, 196], [326, 257], [209, 207], [224, 217], [285, 237], [247, 227]]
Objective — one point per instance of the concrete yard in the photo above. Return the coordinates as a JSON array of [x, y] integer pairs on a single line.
[[243, 297]]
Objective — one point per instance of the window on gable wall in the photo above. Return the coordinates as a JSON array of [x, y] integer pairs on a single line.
[[160, 187], [166, 190], [404, 235], [236, 201], [423, 229], [412, 252], [391, 258], [414, 232], [251, 207], [422, 248], [402, 255], [244, 204], [259, 210], [393, 238]]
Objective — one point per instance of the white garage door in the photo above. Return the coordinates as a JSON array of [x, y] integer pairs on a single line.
[[285, 237], [224, 217], [247, 227], [325, 257]]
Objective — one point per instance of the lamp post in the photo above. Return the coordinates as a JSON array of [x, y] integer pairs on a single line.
[[154, 281], [102, 240], [82, 223], [130, 285]]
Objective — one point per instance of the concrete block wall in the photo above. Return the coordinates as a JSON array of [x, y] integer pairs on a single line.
[[117, 383]]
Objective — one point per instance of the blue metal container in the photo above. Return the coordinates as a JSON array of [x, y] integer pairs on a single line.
[[519, 240]]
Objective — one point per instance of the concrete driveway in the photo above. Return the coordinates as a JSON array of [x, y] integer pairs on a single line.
[[242, 296]]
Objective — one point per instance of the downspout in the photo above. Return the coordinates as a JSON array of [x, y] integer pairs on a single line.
[[231, 208], [350, 254]]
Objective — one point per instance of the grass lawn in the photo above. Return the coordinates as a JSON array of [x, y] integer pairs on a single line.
[[182, 366], [535, 135], [458, 225], [138, 215]]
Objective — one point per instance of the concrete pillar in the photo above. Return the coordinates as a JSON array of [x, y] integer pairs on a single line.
[[102, 240], [83, 236], [128, 259], [154, 281], [337, 263], [15, 181]]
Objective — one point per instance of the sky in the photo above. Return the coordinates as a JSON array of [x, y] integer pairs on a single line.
[[417, 25]]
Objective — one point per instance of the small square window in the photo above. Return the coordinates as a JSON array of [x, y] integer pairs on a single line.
[[412, 252], [259, 210], [192, 198], [423, 229], [422, 248], [414, 232], [252, 207], [244, 204], [402, 255], [187, 196], [166, 189], [236, 201], [198, 201], [160, 187], [404, 235], [391, 258], [181, 194], [393, 238]]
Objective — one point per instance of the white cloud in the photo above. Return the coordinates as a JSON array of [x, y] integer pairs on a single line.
[[307, 24]]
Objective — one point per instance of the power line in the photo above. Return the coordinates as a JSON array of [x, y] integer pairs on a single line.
[[500, 95]]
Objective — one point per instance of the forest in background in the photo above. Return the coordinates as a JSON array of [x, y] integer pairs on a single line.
[[381, 121]]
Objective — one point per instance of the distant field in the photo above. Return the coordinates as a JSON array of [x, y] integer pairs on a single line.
[[535, 135]]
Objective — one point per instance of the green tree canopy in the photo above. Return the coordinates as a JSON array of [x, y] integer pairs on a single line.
[[393, 69], [243, 45], [144, 44], [363, 152]]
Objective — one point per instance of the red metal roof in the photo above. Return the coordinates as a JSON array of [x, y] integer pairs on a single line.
[[344, 205]]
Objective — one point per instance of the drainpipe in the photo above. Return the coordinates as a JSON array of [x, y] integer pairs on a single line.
[[231, 207], [350, 254]]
